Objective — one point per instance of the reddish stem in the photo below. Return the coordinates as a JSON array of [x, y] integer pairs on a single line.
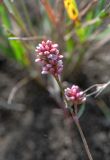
[[76, 120], [50, 12]]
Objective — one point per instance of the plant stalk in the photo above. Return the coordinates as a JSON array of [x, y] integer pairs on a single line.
[[62, 91], [75, 118], [82, 137], [50, 12]]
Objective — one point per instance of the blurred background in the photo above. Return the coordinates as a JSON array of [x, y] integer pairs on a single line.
[[32, 124]]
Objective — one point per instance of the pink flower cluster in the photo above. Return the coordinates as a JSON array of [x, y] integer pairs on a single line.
[[49, 57], [75, 95]]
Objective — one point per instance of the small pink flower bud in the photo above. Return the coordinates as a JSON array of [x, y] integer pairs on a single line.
[[53, 50], [49, 65], [37, 60], [55, 45], [44, 72]]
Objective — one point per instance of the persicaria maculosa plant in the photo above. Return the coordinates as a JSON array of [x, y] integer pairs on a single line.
[[50, 59]]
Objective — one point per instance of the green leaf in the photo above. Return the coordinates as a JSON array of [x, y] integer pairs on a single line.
[[19, 51], [81, 34], [81, 111], [4, 17]]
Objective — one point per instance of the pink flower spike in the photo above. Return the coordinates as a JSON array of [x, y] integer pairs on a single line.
[[50, 58], [75, 95]]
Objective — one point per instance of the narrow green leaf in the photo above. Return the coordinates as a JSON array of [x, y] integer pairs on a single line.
[[81, 111], [4, 17], [19, 51]]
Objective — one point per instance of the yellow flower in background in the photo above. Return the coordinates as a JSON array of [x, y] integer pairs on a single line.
[[72, 9]]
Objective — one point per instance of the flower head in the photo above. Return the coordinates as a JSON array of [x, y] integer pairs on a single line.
[[49, 57], [75, 95]]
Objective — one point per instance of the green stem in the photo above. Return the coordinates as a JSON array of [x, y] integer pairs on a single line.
[[76, 109], [62, 90]]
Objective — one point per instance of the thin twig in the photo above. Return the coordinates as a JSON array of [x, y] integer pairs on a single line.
[[88, 7], [102, 87], [91, 22], [15, 89], [99, 89], [27, 38], [91, 87]]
